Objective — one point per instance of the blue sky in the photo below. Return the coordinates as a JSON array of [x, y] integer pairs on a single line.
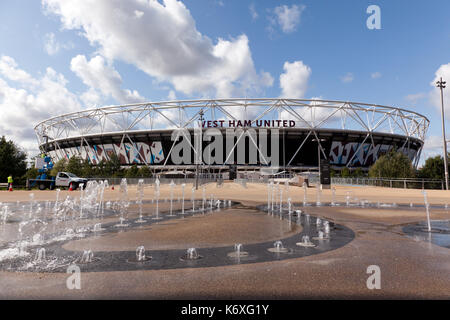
[[341, 59]]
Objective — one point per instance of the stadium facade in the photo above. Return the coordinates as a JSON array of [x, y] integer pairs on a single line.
[[246, 133]]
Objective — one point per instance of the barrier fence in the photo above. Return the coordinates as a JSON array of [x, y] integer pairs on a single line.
[[389, 183], [313, 179]]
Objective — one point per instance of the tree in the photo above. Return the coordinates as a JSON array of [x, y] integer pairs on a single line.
[[332, 173], [75, 166], [58, 167], [145, 172], [87, 170], [345, 172], [132, 172], [12, 160], [99, 170], [112, 166], [433, 169], [392, 165], [31, 173], [358, 173]]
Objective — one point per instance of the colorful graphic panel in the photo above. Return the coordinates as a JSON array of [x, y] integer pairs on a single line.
[[361, 155]]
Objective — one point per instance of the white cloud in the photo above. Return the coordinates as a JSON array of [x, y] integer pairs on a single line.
[[376, 75], [315, 114], [433, 147], [347, 78], [52, 46], [294, 80], [163, 41], [91, 98], [435, 94], [434, 144], [415, 97], [99, 76], [9, 70], [172, 95], [30, 100], [253, 12], [234, 76], [287, 17], [294, 84]]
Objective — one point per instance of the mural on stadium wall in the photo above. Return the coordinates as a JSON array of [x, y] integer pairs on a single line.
[[127, 153], [152, 153], [365, 155]]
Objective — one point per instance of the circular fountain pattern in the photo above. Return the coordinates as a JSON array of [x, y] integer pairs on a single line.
[[57, 259], [39, 247], [438, 235]]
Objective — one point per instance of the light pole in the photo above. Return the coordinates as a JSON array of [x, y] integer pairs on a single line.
[[441, 85], [318, 153], [201, 113]]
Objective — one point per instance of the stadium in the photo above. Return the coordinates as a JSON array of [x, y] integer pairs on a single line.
[[288, 134]]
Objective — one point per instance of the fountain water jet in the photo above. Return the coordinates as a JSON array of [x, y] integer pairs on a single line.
[[203, 198], [182, 196], [31, 205], [191, 254], [157, 193], [326, 226], [171, 185], [278, 248], [305, 190], [58, 191], [318, 222], [427, 206], [98, 227], [140, 253], [193, 199], [318, 194], [104, 186], [40, 255], [140, 196], [269, 195], [124, 203], [305, 242], [333, 196], [87, 256], [321, 236], [141, 256], [4, 214], [281, 201], [238, 252]]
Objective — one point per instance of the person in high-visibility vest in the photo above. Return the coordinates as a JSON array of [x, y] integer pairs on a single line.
[[10, 182]]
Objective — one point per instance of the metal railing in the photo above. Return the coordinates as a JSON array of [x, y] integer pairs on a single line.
[[313, 179], [203, 179], [389, 182], [258, 178]]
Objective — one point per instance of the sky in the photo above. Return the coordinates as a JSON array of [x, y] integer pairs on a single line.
[[59, 56]]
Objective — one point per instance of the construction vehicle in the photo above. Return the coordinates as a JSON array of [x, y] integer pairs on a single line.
[[62, 179]]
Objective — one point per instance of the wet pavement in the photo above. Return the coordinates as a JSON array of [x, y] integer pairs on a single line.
[[439, 234], [412, 267], [120, 260]]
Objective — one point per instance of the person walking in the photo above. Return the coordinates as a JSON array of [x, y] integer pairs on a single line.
[[10, 182]]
